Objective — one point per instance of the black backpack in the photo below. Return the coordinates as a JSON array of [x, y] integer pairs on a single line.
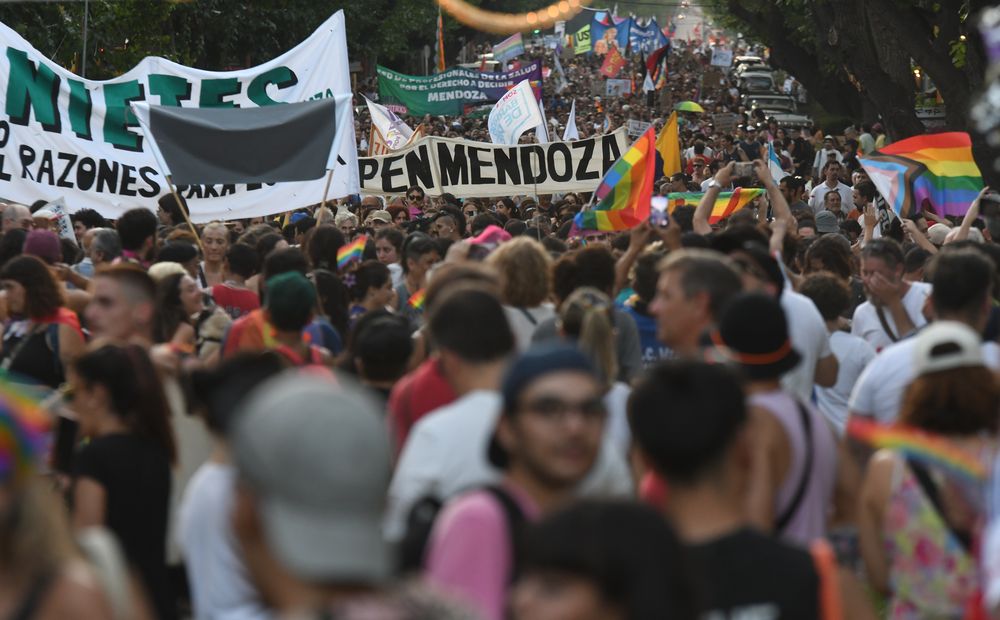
[[420, 523]]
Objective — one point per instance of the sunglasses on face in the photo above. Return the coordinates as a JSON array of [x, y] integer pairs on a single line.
[[470, 213], [414, 197]]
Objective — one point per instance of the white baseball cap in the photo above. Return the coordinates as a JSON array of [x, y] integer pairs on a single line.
[[946, 345]]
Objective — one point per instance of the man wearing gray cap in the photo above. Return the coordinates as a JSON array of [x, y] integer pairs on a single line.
[[312, 456]]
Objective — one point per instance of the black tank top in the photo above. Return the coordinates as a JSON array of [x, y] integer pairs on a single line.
[[37, 358]]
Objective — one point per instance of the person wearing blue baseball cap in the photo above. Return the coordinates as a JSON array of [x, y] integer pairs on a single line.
[[546, 441]]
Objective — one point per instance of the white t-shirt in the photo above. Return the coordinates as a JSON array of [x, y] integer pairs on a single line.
[[445, 454], [879, 391], [807, 331], [220, 588], [853, 355], [817, 197], [866, 324]]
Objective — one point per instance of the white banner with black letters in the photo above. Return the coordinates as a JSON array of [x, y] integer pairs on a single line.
[[480, 169]]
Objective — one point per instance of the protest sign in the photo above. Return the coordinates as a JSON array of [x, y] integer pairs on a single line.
[[725, 123], [636, 128], [392, 131], [613, 63], [581, 40], [468, 169], [617, 88], [515, 113], [722, 57], [64, 136], [449, 92], [609, 32]]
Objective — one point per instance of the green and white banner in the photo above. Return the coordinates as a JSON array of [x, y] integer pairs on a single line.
[[61, 135], [449, 92]]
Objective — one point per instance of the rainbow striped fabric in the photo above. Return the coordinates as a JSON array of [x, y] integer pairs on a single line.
[[416, 300], [624, 193], [24, 432], [351, 252], [920, 445], [936, 169], [725, 205]]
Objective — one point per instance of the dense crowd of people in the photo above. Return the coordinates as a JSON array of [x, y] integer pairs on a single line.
[[421, 406]]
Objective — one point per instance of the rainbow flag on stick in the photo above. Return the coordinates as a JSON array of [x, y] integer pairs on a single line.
[[725, 205], [937, 169], [624, 193], [351, 252]]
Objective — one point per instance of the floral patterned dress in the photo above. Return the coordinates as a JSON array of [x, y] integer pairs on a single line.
[[931, 575]]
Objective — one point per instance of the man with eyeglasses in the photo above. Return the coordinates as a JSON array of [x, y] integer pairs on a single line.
[[546, 440]]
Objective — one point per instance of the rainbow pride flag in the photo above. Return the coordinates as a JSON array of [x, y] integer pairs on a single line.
[[936, 169], [351, 252], [624, 193], [725, 205], [24, 432], [416, 300]]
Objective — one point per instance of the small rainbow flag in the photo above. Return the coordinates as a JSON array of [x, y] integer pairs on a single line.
[[919, 445], [416, 300], [624, 193], [351, 252], [725, 205], [24, 432], [937, 168]]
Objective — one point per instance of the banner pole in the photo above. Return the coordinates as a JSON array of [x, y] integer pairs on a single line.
[[173, 190], [326, 190]]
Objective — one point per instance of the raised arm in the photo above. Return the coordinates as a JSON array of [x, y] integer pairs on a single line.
[[970, 216], [779, 206], [704, 209]]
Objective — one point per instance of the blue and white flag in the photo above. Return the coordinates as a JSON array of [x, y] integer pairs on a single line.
[[774, 164]]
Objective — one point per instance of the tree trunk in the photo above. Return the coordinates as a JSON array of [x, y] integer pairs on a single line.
[[834, 93], [851, 41], [911, 33]]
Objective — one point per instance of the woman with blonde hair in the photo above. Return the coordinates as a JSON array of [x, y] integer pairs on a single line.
[[525, 285], [585, 317]]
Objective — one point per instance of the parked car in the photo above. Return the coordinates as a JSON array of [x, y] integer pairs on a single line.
[[756, 82], [783, 108]]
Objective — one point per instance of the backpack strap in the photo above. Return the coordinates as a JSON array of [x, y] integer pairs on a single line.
[[528, 315], [515, 526], [930, 489], [786, 516], [880, 313], [825, 562]]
